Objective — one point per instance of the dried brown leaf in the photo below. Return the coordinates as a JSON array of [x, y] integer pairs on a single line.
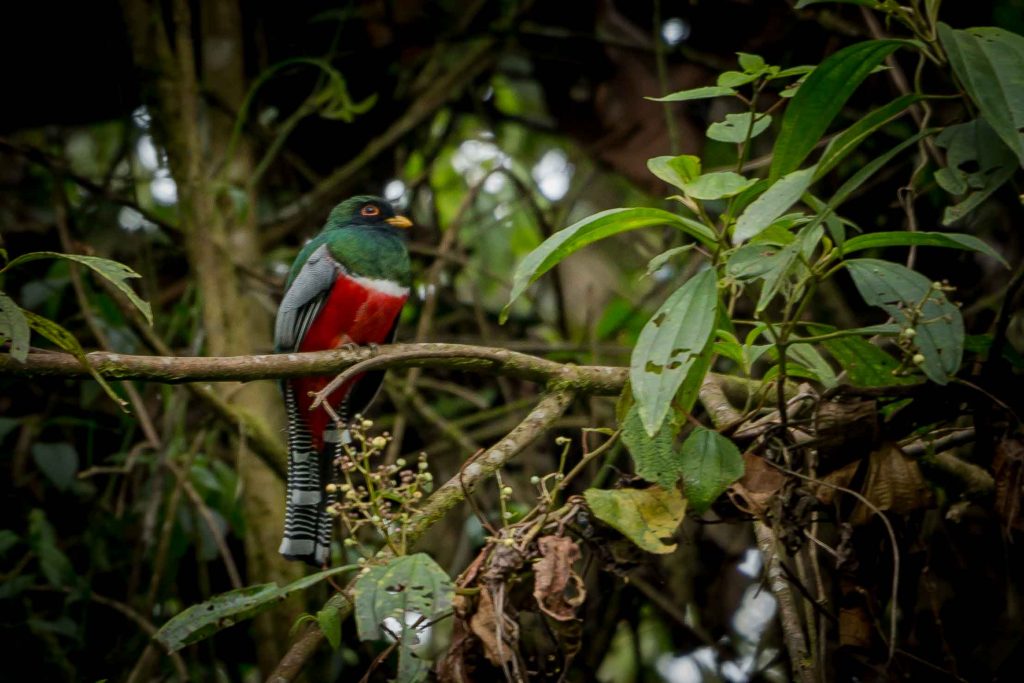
[[894, 483], [557, 588], [485, 625], [759, 484]]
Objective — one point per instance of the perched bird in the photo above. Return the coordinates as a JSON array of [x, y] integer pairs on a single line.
[[346, 287]]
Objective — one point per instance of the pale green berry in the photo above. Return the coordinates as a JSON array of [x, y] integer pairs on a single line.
[[918, 358]]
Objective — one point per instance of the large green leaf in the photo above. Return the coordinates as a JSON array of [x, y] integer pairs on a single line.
[[227, 609], [978, 163], [989, 62], [910, 298], [669, 344], [822, 96], [711, 463], [117, 273], [842, 144], [775, 201], [865, 364], [14, 328], [589, 230], [405, 586], [648, 517], [949, 240], [58, 461], [654, 458], [694, 94]]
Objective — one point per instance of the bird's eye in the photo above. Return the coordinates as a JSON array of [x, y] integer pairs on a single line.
[[370, 210]]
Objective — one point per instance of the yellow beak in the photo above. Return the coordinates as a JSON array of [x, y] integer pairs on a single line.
[[399, 222]]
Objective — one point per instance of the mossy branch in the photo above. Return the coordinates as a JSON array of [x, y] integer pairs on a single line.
[[588, 379]]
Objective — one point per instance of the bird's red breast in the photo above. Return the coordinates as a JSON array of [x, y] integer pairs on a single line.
[[357, 310]]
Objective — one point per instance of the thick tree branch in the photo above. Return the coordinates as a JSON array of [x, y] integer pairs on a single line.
[[450, 494], [588, 379]]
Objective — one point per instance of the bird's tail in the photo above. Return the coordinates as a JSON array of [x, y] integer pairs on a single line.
[[307, 525]]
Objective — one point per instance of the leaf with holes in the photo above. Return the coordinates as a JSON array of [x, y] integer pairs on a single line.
[[669, 345], [117, 273], [648, 517], [977, 164], [227, 609], [711, 463], [13, 328], [989, 62], [407, 590], [910, 298]]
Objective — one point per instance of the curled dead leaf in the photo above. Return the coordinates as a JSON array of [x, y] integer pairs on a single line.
[[893, 483], [498, 633], [557, 588], [759, 484]]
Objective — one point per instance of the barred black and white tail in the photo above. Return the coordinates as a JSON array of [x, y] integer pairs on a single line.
[[307, 525]]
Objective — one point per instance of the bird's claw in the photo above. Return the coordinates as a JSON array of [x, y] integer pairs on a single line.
[[374, 349]]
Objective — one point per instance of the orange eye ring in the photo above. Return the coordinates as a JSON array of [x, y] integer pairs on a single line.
[[370, 211]]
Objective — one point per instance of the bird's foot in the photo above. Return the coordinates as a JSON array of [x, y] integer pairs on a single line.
[[374, 349], [349, 346]]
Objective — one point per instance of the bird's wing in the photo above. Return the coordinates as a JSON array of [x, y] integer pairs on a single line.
[[303, 299]]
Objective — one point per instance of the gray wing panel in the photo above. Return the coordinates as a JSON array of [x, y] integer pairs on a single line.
[[304, 298]]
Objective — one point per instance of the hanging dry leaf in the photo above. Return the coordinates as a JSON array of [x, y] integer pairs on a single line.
[[557, 588], [894, 483], [759, 484], [487, 625], [1008, 466]]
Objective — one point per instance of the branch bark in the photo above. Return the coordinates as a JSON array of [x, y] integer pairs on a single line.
[[450, 494], [597, 380]]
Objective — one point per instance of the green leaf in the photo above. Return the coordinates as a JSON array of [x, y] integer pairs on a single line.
[[405, 586], [8, 539], [862, 174], [596, 227], [842, 144], [654, 457], [711, 463], [411, 583], [978, 164], [751, 64], [734, 79], [717, 185], [655, 264], [227, 609], [694, 94], [13, 328], [865, 364], [736, 127], [677, 171], [117, 273], [669, 344], [52, 561], [58, 461], [910, 298], [67, 342], [989, 62], [808, 357], [949, 240], [787, 263], [329, 621], [874, 4], [775, 201], [752, 261], [820, 99], [648, 517]]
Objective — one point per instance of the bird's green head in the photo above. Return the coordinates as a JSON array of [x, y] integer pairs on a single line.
[[366, 211]]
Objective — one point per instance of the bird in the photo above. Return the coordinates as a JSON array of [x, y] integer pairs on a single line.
[[347, 287]]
